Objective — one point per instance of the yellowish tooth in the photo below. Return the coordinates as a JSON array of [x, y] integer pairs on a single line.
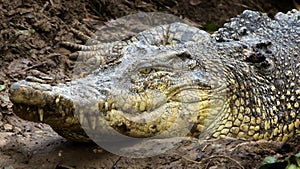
[[57, 99], [66, 110], [81, 117], [113, 106], [93, 122], [60, 109], [142, 106], [41, 114], [106, 106]]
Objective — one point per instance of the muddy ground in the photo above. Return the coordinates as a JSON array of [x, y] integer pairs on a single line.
[[31, 31]]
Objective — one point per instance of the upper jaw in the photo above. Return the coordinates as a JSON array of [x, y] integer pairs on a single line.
[[30, 93]]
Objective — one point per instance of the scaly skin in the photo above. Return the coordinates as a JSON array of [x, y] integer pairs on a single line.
[[175, 80]]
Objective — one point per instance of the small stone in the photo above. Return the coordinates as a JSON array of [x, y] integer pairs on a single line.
[[18, 130], [8, 127], [27, 128]]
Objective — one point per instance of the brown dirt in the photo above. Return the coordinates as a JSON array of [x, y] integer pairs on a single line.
[[30, 32]]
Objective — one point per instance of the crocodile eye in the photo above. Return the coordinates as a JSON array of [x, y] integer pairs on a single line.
[[146, 70]]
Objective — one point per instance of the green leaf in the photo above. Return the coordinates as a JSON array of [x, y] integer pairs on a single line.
[[27, 32], [211, 27], [292, 166], [298, 159], [2, 87], [269, 160], [274, 165]]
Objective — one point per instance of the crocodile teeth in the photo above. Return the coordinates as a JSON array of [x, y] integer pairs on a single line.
[[93, 122], [106, 106], [113, 106], [41, 114], [81, 117], [61, 111], [57, 99]]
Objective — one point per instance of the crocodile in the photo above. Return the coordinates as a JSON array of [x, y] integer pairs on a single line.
[[241, 81]]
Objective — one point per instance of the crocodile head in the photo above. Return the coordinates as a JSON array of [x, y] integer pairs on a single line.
[[230, 85], [166, 91]]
